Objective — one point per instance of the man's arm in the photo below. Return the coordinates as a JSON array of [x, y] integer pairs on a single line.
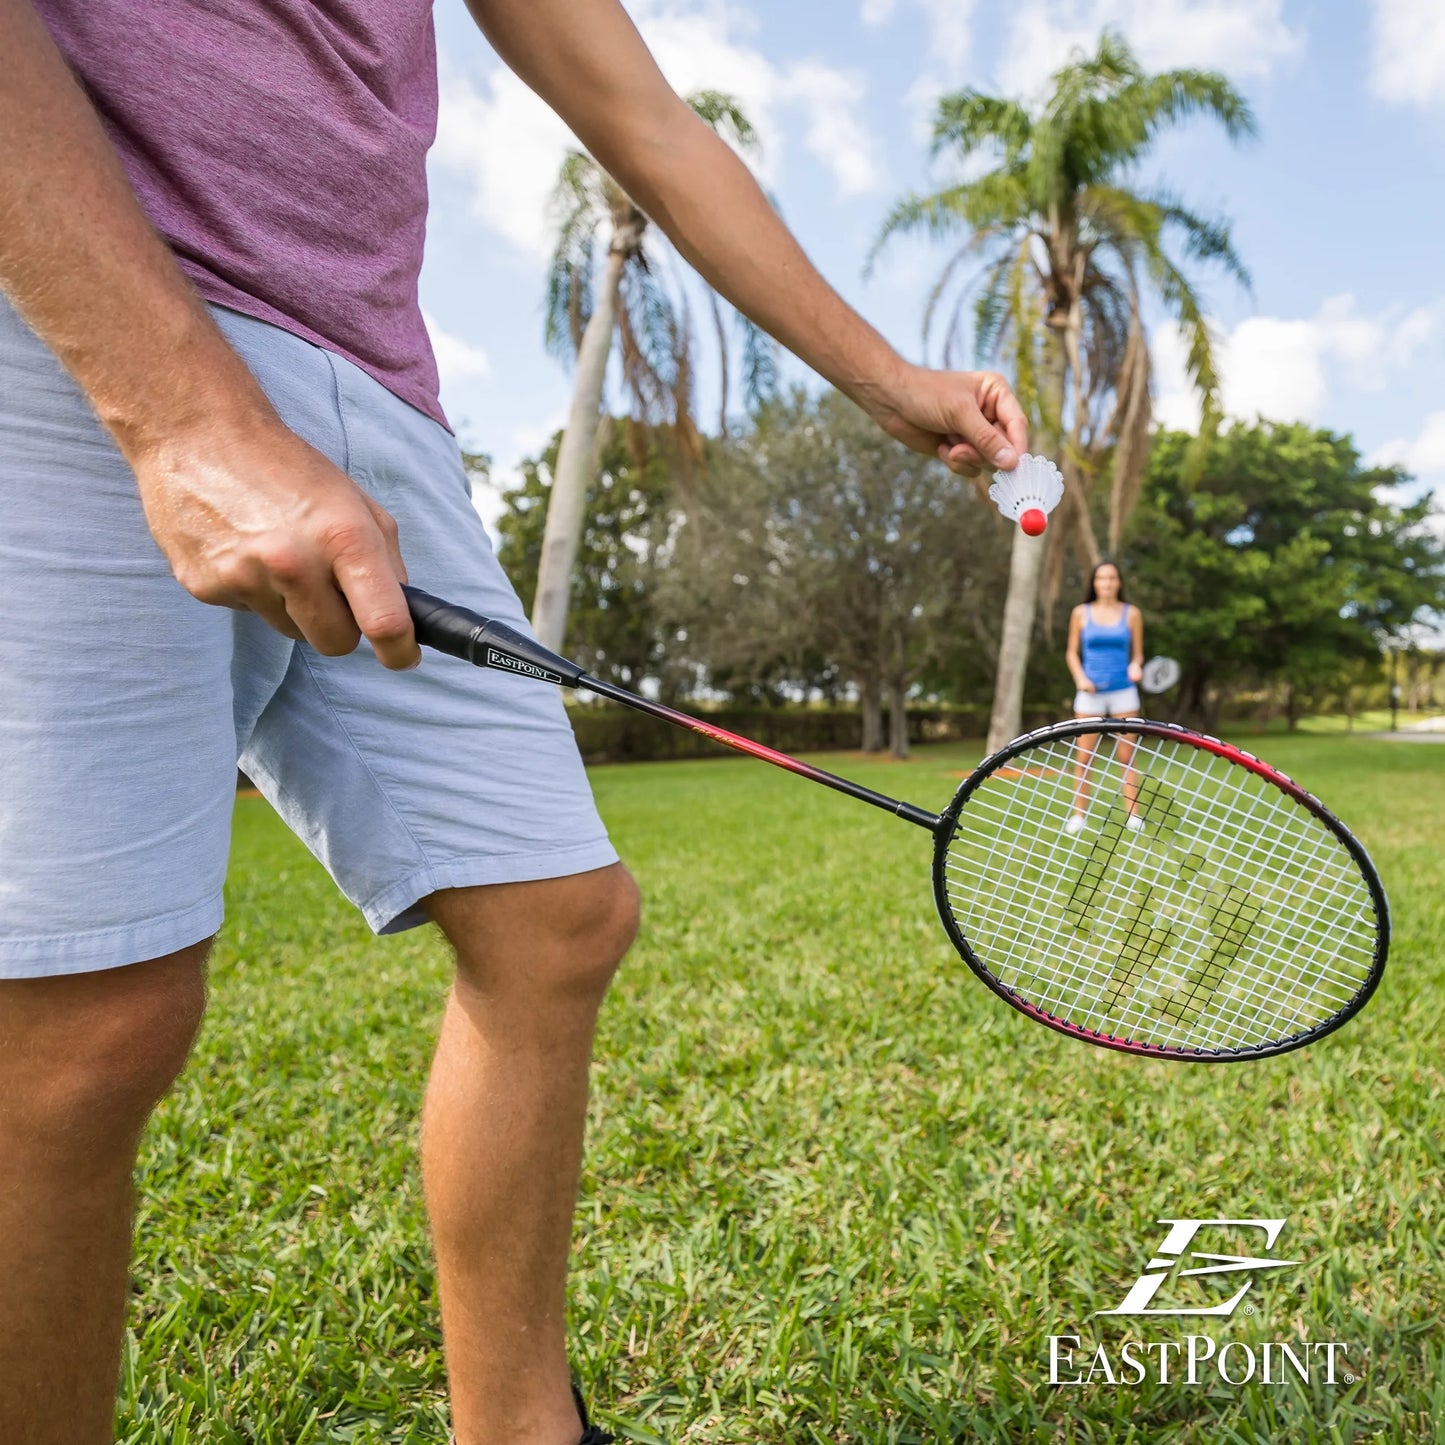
[[587, 61], [248, 515]]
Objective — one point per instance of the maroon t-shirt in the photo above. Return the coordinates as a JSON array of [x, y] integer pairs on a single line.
[[279, 146]]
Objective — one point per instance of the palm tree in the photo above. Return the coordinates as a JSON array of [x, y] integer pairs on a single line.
[[627, 302], [1062, 250]]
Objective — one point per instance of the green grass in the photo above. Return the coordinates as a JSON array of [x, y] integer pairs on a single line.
[[835, 1191]]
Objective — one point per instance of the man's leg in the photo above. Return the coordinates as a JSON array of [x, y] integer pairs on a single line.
[[83, 1059], [502, 1138]]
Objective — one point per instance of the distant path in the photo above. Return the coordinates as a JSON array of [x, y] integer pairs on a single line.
[[1427, 730]]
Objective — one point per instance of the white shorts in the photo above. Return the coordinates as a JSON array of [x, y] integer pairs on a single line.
[[125, 703], [1121, 702]]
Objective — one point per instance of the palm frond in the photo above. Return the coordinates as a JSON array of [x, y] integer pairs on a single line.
[[726, 116], [1152, 103], [579, 207], [760, 363], [967, 120]]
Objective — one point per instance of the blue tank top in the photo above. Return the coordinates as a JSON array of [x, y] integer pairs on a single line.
[[1104, 651]]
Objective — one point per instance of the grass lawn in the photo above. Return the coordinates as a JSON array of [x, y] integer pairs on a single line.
[[835, 1190]]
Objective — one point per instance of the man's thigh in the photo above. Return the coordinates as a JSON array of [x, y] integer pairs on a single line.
[[117, 747]]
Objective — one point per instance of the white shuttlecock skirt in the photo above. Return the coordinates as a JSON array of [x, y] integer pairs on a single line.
[[1035, 482]]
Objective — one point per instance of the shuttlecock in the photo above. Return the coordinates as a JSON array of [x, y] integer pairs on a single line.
[[1029, 493]]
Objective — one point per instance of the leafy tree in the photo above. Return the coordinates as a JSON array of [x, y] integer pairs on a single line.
[[606, 286], [1279, 559], [1062, 248], [615, 629], [828, 546]]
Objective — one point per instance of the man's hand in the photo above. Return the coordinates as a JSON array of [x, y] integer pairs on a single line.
[[971, 420], [260, 521], [248, 515]]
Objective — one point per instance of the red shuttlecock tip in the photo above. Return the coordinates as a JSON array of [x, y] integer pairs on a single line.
[[1033, 521]]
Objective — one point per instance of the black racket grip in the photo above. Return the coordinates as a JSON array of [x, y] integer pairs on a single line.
[[460, 632]]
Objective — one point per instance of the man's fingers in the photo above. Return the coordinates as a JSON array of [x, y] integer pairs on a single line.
[[991, 444], [271, 609], [321, 613], [1010, 416], [959, 456], [387, 523], [373, 592]]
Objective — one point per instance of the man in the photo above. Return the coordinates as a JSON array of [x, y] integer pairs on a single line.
[[215, 388]]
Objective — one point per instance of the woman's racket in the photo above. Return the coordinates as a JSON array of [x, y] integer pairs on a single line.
[[1211, 910]]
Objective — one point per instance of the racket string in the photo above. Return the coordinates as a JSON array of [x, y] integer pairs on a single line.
[[1234, 918]]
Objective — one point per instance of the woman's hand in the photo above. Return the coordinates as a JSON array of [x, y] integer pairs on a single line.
[[1136, 673], [1085, 685]]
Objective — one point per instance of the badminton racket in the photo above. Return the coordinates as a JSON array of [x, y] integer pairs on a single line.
[[1210, 910], [1160, 674]]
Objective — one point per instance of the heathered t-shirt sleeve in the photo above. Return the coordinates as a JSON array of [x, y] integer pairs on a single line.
[[279, 147]]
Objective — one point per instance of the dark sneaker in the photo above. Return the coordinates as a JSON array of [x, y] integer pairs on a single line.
[[591, 1434]]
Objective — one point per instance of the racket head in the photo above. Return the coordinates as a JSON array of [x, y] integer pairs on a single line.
[[1160, 674], [1241, 920]]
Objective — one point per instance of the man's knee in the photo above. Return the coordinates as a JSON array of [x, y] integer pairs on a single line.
[[558, 935], [85, 1057]]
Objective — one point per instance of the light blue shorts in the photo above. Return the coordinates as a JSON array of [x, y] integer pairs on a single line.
[[1121, 702], [125, 704]]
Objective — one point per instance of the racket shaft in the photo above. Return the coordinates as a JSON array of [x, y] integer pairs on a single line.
[[459, 632]]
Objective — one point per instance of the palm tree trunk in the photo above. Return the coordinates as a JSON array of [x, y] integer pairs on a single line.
[[1025, 569], [567, 505], [722, 353]]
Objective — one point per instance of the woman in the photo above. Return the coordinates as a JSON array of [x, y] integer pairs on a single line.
[[1106, 657]]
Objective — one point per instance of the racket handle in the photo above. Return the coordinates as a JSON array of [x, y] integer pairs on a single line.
[[460, 632]]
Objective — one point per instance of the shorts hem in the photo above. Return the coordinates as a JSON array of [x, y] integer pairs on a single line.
[[91, 952], [397, 907]]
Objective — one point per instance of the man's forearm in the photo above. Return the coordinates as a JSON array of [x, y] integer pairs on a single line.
[[84, 267]]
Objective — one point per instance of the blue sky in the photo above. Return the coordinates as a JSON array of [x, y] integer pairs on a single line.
[[1337, 207]]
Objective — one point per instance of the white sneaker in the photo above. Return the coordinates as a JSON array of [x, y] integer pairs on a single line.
[[1075, 824], [1134, 823]]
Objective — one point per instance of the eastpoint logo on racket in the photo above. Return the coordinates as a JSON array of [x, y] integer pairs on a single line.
[[1134, 1361], [517, 664]]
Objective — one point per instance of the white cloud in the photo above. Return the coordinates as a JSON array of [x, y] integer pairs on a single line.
[[835, 134], [526, 440], [457, 360], [950, 31], [1286, 369], [946, 42], [509, 145], [1424, 457], [1241, 37], [1407, 64]]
